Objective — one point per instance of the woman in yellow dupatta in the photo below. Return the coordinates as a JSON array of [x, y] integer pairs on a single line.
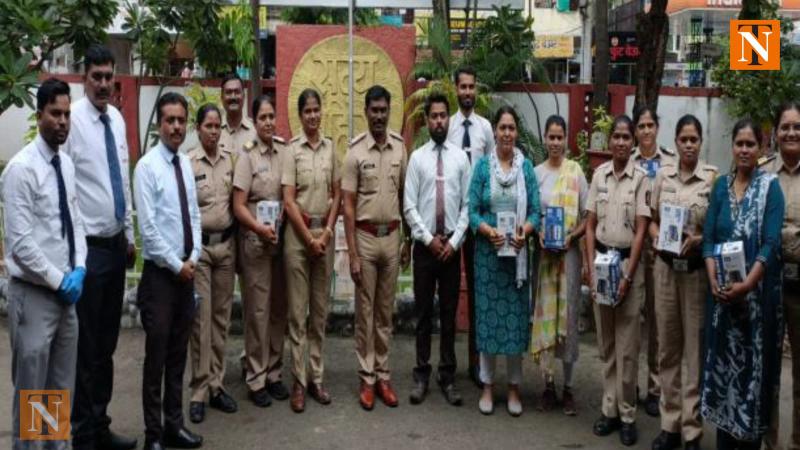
[[562, 184]]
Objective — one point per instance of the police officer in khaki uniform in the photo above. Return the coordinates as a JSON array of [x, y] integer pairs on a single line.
[[311, 178], [374, 171], [238, 129], [213, 174], [618, 217], [680, 288], [786, 164], [651, 157], [257, 178]]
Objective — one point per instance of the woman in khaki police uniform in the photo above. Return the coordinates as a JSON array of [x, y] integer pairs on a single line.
[[212, 165], [681, 285], [311, 182], [618, 216], [258, 178]]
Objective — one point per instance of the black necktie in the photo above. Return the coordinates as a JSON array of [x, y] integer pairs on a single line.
[[188, 241], [63, 211], [466, 143]]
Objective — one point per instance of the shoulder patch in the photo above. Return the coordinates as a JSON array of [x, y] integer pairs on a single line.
[[395, 135], [296, 138], [278, 139], [249, 145], [764, 160], [668, 151], [358, 139]]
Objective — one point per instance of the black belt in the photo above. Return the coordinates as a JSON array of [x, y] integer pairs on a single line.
[[687, 265], [624, 253], [108, 243], [218, 237]]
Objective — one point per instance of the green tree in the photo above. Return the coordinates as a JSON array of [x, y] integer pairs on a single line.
[[29, 27], [328, 16], [651, 31]]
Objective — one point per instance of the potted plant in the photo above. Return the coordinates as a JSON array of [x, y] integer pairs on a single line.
[[598, 142]]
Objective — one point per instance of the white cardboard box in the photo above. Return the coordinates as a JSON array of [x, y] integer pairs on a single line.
[[507, 226], [268, 212], [729, 259], [670, 231], [608, 272]]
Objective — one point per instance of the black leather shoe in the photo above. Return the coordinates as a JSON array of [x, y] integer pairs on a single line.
[[694, 444], [451, 394], [197, 412], [278, 390], [667, 441], [651, 405], [154, 445], [418, 393], [628, 434], [260, 398], [108, 440], [223, 402], [182, 438], [606, 425]]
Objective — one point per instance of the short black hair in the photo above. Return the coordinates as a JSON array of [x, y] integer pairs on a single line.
[[257, 102], [744, 124], [375, 93], [203, 111], [555, 120], [786, 106], [686, 120], [170, 98], [303, 99], [231, 76], [624, 120], [639, 111], [97, 55], [464, 70], [436, 97], [503, 110], [49, 91]]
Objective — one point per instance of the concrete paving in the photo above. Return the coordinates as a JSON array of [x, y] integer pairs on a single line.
[[344, 425]]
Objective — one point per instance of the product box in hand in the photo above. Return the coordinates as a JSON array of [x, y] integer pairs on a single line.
[[507, 226], [670, 232], [729, 260], [269, 212], [554, 234], [651, 166], [608, 273]]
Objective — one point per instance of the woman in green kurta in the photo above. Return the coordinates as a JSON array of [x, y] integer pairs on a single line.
[[503, 181]]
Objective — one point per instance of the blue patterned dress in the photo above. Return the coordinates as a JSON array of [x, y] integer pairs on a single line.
[[741, 370], [502, 310]]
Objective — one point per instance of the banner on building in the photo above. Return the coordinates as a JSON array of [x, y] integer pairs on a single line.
[[553, 46]]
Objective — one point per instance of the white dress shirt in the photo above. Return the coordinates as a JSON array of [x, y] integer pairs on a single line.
[[419, 192], [481, 135], [86, 146], [158, 207], [34, 248]]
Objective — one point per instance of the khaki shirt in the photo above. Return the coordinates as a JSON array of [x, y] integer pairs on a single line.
[[259, 170], [214, 186], [662, 158], [617, 201], [789, 178], [312, 173], [376, 173], [693, 193], [235, 140]]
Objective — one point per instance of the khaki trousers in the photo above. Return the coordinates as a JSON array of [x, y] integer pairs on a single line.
[[618, 333], [680, 306], [213, 284], [278, 320], [309, 286], [648, 260], [791, 314], [380, 265], [258, 259]]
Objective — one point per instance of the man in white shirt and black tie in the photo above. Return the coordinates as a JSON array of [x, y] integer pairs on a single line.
[[435, 205], [45, 255], [99, 151], [169, 222], [472, 133]]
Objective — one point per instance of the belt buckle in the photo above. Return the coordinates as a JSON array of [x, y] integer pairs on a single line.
[[680, 264], [315, 223], [791, 271], [382, 230], [214, 238]]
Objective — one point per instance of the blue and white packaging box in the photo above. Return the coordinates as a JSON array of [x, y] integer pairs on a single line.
[[673, 220], [608, 273], [554, 233], [730, 264]]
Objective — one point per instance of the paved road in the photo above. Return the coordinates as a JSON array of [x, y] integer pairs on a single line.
[[344, 425]]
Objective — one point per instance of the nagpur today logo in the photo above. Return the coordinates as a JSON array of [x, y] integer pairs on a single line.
[[44, 415], [755, 45]]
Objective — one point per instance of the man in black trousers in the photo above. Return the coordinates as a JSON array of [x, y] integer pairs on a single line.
[[169, 222], [99, 152]]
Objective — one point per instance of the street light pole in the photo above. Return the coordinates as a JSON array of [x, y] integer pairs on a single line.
[[351, 4]]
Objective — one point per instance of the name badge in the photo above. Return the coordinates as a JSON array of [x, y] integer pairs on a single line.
[[680, 265], [200, 177], [791, 271], [368, 166], [263, 168]]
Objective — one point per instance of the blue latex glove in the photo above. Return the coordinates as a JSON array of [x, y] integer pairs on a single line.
[[72, 286]]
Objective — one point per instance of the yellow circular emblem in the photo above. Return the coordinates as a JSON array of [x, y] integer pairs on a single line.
[[324, 68]]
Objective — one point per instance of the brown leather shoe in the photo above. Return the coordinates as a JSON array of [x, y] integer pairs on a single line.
[[318, 392], [366, 395], [298, 398], [386, 393]]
